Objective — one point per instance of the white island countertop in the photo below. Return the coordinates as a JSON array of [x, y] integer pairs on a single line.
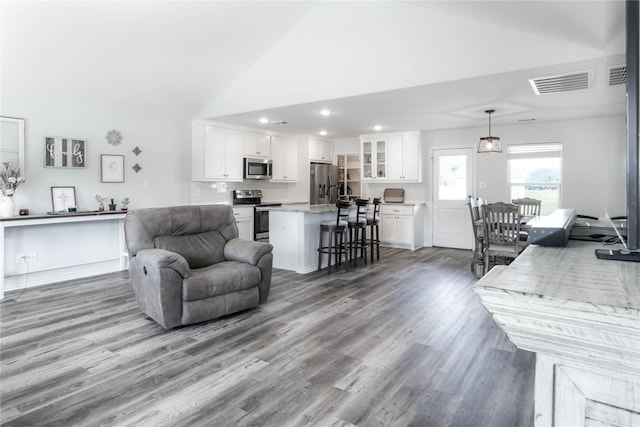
[[304, 207]]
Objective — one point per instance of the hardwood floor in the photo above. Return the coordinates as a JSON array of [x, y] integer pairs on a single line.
[[401, 342]]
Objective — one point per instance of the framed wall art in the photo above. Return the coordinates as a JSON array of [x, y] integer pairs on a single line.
[[112, 168], [63, 198], [62, 152]]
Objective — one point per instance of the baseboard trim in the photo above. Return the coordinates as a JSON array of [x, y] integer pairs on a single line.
[[46, 277]]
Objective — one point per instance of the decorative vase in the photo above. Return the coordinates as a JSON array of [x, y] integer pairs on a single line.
[[8, 207]]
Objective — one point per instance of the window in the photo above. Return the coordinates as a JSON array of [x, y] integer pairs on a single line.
[[535, 171], [453, 178]]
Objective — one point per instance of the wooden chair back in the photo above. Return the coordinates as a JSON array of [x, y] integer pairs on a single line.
[[344, 210], [474, 212], [481, 202], [528, 206], [377, 203], [362, 207], [501, 224]]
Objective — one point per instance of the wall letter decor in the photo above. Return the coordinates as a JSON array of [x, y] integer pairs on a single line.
[[64, 152]]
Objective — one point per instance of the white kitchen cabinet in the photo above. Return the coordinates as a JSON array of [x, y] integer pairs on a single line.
[[216, 153], [244, 222], [320, 151], [374, 158], [404, 157], [284, 154], [402, 225], [257, 145], [391, 157]]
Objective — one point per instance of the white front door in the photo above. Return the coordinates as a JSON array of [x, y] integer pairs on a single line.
[[452, 173]]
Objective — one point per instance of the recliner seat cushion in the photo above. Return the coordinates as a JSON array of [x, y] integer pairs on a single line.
[[219, 279], [200, 250]]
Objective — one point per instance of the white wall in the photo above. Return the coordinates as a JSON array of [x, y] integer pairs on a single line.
[[164, 158], [162, 181], [593, 175]]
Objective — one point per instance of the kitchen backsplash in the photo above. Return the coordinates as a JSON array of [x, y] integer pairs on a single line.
[[204, 193], [412, 192]]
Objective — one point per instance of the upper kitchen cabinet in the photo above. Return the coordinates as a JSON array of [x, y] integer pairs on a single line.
[[374, 158], [320, 151], [404, 158], [216, 153], [257, 145], [284, 153], [391, 157]]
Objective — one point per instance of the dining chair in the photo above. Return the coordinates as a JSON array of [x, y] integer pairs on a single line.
[[477, 262], [481, 202], [501, 232], [528, 206]]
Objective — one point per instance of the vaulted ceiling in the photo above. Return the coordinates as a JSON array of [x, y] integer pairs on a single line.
[[405, 65]]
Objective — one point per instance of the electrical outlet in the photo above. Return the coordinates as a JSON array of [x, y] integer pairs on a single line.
[[22, 257]]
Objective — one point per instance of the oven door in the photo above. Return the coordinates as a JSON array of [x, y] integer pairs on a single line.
[[261, 224]]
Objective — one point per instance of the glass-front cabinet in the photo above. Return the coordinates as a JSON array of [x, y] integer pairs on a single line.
[[392, 157], [374, 159]]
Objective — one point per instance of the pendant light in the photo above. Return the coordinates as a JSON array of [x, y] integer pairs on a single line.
[[489, 144]]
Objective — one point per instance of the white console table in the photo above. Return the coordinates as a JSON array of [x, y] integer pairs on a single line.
[[581, 316], [70, 246]]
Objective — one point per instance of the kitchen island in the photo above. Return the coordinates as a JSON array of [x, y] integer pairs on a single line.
[[581, 316], [294, 232]]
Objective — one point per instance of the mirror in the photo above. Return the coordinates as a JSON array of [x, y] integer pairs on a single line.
[[12, 147]]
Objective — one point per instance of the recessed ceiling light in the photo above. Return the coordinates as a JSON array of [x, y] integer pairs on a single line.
[[377, 127], [264, 120], [325, 112], [323, 132]]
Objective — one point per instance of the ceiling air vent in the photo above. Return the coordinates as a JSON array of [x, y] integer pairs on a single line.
[[561, 82], [618, 75]]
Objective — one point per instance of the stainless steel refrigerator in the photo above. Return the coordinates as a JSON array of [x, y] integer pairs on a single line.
[[323, 184]]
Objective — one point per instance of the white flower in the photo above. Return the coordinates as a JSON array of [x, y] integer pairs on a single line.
[[9, 178]]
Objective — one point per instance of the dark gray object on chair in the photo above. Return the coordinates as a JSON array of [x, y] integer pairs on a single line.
[[188, 265]]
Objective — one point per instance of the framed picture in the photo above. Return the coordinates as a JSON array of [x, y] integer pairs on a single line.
[[63, 198], [112, 167], [64, 152]]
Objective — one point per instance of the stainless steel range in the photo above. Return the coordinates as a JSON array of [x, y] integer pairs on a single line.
[[260, 211]]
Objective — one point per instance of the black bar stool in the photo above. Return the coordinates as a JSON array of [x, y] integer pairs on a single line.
[[358, 231], [337, 231], [373, 220]]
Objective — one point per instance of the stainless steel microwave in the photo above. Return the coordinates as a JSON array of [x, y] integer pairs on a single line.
[[257, 168]]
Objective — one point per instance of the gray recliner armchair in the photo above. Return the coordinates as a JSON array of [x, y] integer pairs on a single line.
[[188, 265]]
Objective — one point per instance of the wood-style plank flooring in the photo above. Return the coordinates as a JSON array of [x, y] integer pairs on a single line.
[[402, 342]]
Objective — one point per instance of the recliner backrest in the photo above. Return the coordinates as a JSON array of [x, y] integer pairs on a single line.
[[198, 233]]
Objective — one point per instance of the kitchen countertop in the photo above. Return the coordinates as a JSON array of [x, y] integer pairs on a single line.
[[304, 207], [406, 203]]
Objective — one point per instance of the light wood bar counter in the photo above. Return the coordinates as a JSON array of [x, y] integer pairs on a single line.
[[581, 316]]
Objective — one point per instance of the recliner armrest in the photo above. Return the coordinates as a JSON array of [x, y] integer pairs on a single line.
[[163, 258], [246, 250]]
